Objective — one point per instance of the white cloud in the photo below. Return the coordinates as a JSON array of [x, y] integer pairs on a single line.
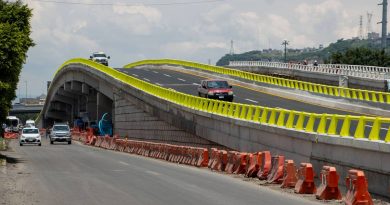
[[196, 32], [152, 15]]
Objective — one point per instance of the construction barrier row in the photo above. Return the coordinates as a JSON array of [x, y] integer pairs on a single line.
[[11, 135], [364, 95], [324, 124], [278, 170], [262, 165]]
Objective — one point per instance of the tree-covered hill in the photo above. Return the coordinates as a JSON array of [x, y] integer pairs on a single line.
[[321, 55]]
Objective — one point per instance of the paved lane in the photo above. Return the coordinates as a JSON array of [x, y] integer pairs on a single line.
[[77, 174], [172, 79]]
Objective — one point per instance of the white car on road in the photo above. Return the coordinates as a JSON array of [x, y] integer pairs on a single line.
[[30, 135]]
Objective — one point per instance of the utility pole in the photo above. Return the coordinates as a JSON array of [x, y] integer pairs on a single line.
[[384, 23], [285, 43], [231, 47], [25, 100]]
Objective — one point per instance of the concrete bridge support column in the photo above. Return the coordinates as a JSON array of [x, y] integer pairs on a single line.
[[103, 105], [90, 106]]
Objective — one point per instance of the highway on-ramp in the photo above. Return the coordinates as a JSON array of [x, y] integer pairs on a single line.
[[78, 174]]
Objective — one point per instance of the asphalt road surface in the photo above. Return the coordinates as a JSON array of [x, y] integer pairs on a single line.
[[187, 83], [77, 174]]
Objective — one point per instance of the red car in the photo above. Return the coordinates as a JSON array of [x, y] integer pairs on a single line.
[[216, 89]]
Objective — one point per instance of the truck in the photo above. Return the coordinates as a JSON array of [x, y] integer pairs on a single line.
[[100, 57], [12, 124], [30, 123]]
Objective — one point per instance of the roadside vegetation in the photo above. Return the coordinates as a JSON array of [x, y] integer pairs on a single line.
[[15, 40]]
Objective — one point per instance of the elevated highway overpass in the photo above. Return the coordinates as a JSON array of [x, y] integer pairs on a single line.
[[142, 106]]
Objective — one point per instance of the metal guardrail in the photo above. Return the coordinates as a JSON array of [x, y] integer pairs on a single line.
[[370, 72], [342, 92], [325, 124]]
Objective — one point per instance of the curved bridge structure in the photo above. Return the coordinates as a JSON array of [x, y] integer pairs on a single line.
[[140, 109]]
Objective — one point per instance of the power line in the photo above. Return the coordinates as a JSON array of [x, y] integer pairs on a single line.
[[128, 4]]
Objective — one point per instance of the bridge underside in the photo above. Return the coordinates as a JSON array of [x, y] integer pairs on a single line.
[[78, 94]]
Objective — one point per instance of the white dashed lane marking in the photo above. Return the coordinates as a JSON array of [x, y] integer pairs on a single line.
[[147, 79], [181, 79], [251, 100], [167, 75]]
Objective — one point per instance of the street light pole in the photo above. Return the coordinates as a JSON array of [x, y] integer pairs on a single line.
[[25, 100], [285, 43]]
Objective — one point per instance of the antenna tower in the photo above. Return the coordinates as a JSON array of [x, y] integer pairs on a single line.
[[231, 47], [360, 36], [384, 22], [369, 25]]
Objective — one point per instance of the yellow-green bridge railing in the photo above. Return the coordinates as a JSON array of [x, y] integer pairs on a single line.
[[371, 128]]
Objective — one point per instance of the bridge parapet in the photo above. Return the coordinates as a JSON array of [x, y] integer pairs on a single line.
[[370, 72]]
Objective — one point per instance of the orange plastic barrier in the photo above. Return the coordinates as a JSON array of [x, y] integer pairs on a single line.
[[99, 141], [265, 166], [290, 174], [212, 157], [357, 187], [220, 162], [204, 157], [305, 183], [329, 188], [254, 162], [11, 135], [276, 174], [240, 163], [231, 161]]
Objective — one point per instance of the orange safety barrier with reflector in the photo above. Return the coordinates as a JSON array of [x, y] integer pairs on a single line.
[[11, 135], [265, 166], [212, 157], [357, 189], [254, 162], [329, 188], [231, 157], [305, 183], [290, 174], [99, 141], [240, 163], [276, 174], [221, 160], [204, 157]]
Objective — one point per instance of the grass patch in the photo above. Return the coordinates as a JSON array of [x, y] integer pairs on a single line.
[[3, 144]]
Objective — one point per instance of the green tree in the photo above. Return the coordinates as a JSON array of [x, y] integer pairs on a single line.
[[15, 30], [362, 56]]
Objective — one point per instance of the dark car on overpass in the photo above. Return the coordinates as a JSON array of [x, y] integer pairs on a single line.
[[216, 89]]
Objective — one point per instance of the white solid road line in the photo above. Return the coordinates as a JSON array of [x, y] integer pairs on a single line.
[[124, 163], [146, 79], [251, 100], [181, 79], [135, 75], [167, 75]]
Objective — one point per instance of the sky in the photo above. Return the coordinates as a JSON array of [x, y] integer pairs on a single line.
[[132, 30]]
